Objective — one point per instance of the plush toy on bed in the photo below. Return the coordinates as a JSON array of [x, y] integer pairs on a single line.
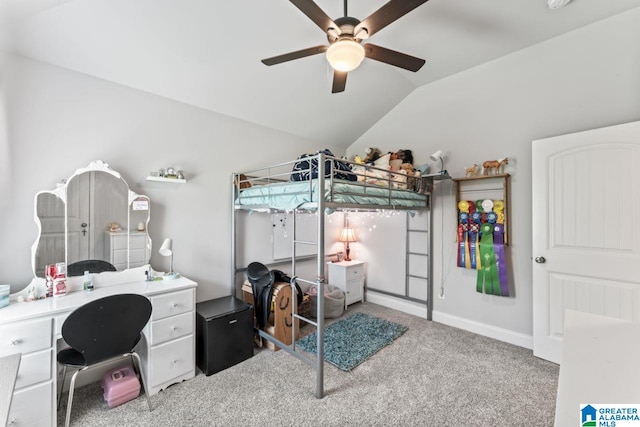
[[373, 154]]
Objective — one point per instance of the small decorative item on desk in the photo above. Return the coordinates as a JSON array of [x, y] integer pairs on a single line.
[[180, 175], [141, 226], [114, 227], [87, 282], [171, 173], [50, 274], [60, 280]]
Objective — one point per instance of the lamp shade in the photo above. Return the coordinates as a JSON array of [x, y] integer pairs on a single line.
[[165, 249], [345, 55], [436, 156], [348, 235]]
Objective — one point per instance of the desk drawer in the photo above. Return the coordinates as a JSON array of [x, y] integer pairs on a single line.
[[171, 328], [58, 321], [171, 304], [172, 360], [25, 337], [34, 368], [32, 406]]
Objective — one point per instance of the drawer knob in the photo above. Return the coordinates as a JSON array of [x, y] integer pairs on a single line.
[[174, 305], [174, 328], [13, 422], [15, 342]]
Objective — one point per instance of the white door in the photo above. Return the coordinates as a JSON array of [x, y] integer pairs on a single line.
[[586, 238], [78, 218]]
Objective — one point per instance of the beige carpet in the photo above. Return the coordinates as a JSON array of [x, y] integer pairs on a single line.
[[433, 375]]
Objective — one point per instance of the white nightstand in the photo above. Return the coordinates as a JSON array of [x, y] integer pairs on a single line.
[[348, 276]]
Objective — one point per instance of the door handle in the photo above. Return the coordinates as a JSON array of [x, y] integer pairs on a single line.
[[540, 260]]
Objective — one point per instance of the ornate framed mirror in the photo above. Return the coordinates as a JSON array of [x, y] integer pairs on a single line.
[[93, 216]]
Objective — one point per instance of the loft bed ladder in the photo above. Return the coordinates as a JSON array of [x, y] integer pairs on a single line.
[[318, 363]]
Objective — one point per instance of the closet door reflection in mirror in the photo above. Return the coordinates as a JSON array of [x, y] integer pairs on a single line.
[[97, 206], [50, 214]]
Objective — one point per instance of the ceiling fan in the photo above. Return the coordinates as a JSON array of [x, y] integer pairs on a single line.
[[346, 51]]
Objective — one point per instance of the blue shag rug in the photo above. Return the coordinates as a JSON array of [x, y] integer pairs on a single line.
[[354, 339]]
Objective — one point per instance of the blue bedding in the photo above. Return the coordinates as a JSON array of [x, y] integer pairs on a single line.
[[296, 195]]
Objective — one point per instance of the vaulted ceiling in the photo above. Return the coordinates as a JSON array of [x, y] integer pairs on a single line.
[[207, 52]]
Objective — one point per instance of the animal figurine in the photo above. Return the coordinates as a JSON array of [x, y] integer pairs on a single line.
[[471, 171], [495, 165]]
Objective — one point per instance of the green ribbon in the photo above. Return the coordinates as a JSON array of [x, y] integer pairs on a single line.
[[488, 270]]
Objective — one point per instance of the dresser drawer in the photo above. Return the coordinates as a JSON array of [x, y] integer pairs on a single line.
[[119, 257], [118, 241], [34, 368], [138, 242], [32, 406], [171, 360], [170, 328], [25, 337], [137, 255], [171, 304], [355, 272]]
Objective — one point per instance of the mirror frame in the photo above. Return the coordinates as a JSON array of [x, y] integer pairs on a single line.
[[61, 192]]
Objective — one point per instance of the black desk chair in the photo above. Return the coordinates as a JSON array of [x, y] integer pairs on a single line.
[[103, 329], [91, 265]]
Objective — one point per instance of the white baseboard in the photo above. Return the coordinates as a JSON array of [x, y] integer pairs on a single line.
[[399, 304], [501, 334], [420, 310]]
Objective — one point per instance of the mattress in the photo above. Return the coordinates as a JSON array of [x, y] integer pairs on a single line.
[[300, 195]]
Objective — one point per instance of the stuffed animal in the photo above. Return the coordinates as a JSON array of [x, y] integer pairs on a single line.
[[405, 155], [373, 154], [357, 159]]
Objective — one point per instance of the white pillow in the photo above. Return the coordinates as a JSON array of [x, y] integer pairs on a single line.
[[383, 162]]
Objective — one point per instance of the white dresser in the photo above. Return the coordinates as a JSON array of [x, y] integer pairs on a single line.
[[115, 248], [348, 276], [167, 349]]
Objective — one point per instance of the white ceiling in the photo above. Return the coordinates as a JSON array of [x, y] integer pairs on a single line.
[[207, 52]]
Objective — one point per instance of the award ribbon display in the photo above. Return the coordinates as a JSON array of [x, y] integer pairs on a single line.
[[488, 272]]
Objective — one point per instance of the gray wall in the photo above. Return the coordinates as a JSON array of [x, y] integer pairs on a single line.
[[59, 121], [585, 79]]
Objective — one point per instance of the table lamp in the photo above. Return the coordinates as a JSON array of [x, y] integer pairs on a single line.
[[347, 236], [166, 250]]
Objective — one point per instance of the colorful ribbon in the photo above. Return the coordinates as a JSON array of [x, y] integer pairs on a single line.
[[501, 264], [488, 272]]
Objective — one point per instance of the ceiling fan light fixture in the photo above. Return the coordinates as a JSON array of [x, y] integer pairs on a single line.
[[345, 55]]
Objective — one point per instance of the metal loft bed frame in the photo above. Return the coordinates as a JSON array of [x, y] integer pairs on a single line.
[[265, 189]]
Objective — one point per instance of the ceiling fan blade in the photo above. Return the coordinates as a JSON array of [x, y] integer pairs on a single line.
[[388, 13], [392, 57], [339, 81], [317, 15], [295, 55]]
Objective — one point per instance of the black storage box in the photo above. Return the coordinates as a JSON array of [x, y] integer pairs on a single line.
[[224, 333]]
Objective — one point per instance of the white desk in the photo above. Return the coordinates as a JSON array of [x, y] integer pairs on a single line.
[[599, 364], [34, 328]]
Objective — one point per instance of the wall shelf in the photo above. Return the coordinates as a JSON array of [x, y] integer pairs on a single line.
[[163, 179]]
